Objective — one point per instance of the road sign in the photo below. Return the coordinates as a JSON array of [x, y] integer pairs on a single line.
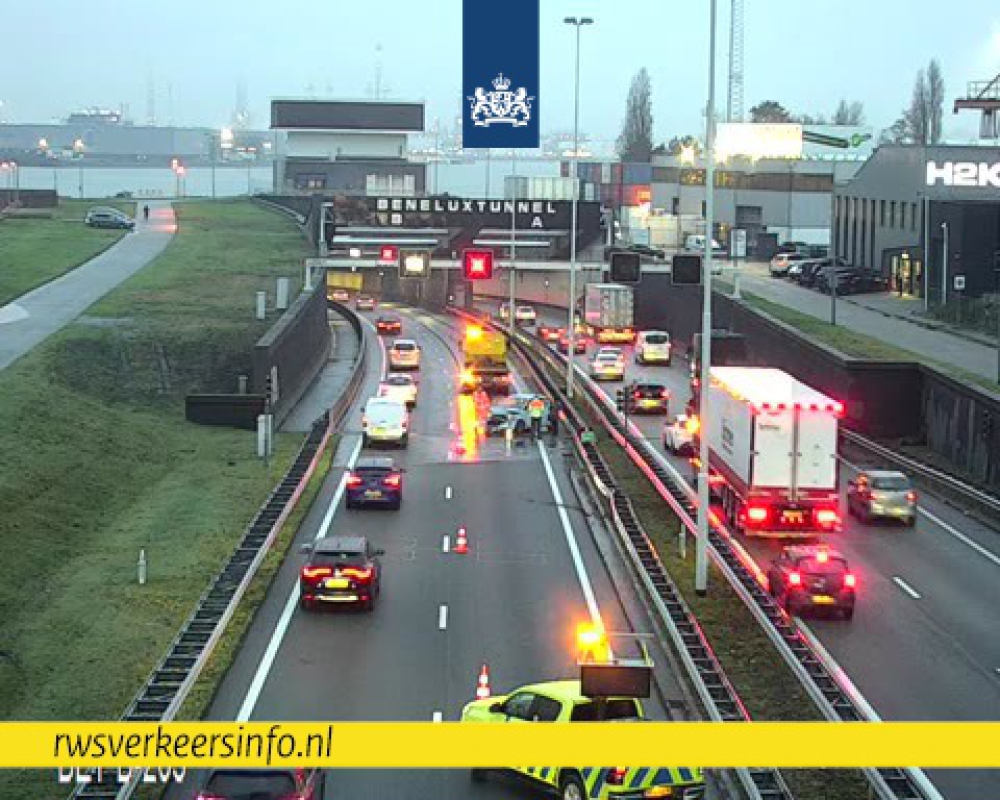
[[738, 243], [686, 270], [626, 267], [414, 263], [959, 283]]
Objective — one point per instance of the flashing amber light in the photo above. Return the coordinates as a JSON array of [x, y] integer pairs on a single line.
[[693, 424], [473, 332], [590, 638], [468, 377]]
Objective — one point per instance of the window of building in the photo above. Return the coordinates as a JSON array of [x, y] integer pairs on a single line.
[[902, 216], [676, 209], [913, 216], [308, 182], [704, 209], [892, 214], [881, 213]]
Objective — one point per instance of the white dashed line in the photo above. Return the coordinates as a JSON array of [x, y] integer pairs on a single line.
[[447, 493], [437, 717], [446, 544], [906, 588], [442, 617]]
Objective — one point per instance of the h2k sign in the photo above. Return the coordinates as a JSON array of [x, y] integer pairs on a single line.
[[500, 73]]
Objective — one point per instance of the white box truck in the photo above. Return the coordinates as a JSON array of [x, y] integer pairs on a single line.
[[607, 312], [772, 444]]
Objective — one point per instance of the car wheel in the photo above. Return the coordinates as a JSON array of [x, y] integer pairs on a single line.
[[304, 604], [405, 440], [848, 613], [370, 603], [865, 515], [479, 775], [910, 521], [364, 440], [351, 505], [397, 505], [571, 787]]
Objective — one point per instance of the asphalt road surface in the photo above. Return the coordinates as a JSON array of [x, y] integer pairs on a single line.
[[533, 572], [924, 643]]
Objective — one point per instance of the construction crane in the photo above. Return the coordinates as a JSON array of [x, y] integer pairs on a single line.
[[734, 106], [983, 96]]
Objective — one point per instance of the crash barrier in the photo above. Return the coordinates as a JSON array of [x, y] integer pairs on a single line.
[[286, 359], [164, 691], [719, 699], [821, 677], [229, 410]]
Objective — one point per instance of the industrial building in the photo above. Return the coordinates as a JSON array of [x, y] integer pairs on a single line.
[[909, 200], [355, 147]]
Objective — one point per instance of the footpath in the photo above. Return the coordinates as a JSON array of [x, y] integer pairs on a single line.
[[885, 317], [33, 317]]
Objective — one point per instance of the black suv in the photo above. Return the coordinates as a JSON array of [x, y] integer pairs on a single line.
[[648, 398], [812, 577], [340, 570]]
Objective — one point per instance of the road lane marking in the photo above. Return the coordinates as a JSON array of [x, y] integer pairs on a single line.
[[961, 536], [442, 617], [447, 493], [906, 587], [437, 716], [446, 543], [278, 635]]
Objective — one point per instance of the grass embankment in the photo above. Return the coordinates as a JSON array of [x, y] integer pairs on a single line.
[[36, 249], [99, 462], [855, 344]]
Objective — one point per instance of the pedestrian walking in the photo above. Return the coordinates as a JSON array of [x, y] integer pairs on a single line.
[[145, 212]]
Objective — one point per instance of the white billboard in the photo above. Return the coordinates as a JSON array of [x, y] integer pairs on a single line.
[[759, 140]]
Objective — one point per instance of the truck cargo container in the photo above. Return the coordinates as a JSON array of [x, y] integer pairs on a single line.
[[772, 444], [607, 312]]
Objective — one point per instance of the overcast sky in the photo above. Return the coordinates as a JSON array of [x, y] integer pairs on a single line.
[[60, 55]]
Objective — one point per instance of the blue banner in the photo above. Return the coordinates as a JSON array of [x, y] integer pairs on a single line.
[[500, 73]]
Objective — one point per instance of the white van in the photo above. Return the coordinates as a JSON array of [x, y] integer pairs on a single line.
[[695, 243], [385, 420], [652, 347]]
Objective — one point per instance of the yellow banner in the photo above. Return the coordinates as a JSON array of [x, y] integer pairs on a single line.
[[428, 744]]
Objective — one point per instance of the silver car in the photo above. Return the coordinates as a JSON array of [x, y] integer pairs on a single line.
[[882, 494]]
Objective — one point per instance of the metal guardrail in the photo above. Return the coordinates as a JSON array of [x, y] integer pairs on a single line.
[[167, 687], [941, 483], [824, 680], [717, 694]]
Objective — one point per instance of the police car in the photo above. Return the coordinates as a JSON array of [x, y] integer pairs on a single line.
[[563, 701]]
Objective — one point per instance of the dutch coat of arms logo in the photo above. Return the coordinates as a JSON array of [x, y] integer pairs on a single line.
[[501, 105]]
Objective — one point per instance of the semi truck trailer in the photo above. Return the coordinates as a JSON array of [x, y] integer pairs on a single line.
[[772, 449], [607, 312]]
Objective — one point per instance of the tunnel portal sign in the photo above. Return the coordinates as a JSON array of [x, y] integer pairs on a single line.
[[540, 214]]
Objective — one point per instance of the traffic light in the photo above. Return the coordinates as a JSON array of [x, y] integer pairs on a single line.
[[625, 267], [414, 263], [388, 254], [477, 265], [621, 400], [686, 270]]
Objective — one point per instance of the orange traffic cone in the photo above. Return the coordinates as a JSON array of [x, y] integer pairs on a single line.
[[483, 689], [462, 542]]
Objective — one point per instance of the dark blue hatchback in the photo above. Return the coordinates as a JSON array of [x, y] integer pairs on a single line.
[[375, 481]]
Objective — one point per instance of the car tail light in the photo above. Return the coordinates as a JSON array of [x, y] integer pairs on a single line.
[[757, 513], [354, 480], [794, 579], [850, 581], [911, 497], [364, 422], [312, 573], [393, 481], [357, 573], [827, 516], [664, 394], [206, 796], [616, 776], [637, 395]]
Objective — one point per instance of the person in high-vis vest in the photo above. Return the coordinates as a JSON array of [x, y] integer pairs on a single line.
[[536, 410]]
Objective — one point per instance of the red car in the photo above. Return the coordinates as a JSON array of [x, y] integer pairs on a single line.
[[579, 344], [550, 333]]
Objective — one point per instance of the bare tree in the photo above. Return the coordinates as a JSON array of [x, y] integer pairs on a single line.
[[921, 122], [636, 140]]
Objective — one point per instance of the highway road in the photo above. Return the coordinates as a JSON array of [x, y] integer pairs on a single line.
[[533, 572], [924, 642]]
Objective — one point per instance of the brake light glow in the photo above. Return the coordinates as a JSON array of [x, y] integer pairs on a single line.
[[911, 497], [356, 573], [393, 481], [312, 573], [664, 394], [827, 516], [354, 480], [467, 376], [637, 395], [822, 556], [616, 777], [757, 513], [850, 581], [794, 579]]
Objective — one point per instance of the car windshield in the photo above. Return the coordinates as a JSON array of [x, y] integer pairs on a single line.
[[251, 785], [657, 338], [327, 558], [891, 483], [406, 346], [399, 380], [813, 566]]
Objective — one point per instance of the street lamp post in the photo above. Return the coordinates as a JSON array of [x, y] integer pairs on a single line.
[[944, 266], [578, 23], [701, 545], [513, 241], [688, 158], [78, 148]]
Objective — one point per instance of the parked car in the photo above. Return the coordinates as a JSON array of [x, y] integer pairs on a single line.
[[781, 263], [848, 280], [812, 577], [375, 481], [109, 218], [809, 272], [340, 570], [882, 494]]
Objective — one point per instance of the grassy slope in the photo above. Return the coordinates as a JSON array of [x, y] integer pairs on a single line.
[[99, 462], [34, 251]]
